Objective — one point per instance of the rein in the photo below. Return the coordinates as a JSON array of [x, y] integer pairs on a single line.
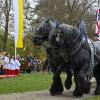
[[76, 48], [75, 45]]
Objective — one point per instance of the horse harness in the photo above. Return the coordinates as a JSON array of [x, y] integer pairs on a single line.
[[93, 52]]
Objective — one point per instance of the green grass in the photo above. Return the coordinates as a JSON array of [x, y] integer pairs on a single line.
[[93, 98], [26, 82]]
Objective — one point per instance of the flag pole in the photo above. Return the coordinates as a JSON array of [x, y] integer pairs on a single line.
[[15, 33], [15, 50]]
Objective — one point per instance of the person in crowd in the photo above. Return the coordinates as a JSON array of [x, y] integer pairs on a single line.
[[17, 65], [6, 63], [30, 60], [1, 64], [12, 66]]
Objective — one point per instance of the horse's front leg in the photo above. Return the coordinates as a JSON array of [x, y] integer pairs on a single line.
[[82, 85], [56, 87], [75, 92], [68, 81]]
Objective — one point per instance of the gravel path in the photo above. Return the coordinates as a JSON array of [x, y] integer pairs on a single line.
[[43, 95]]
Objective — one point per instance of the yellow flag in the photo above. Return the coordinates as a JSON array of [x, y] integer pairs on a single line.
[[20, 30], [18, 22]]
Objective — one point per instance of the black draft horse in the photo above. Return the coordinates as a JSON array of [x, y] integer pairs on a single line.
[[55, 60], [70, 41]]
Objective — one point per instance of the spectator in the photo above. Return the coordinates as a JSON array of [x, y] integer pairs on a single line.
[[6, 63], [17, 66], [30, 60], [1, 64], [12, 66]]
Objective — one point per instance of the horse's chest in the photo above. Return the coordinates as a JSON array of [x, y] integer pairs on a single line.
[[74, 60], [79, 59]]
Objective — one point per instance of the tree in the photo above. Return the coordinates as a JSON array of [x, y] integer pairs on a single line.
[[1, 37], [67, 11], [5, 9]]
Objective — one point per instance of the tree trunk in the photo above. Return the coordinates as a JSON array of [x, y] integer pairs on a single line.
[[7, 13], [5, 33]]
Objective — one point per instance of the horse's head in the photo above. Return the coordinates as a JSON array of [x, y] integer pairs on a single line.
[[64, 35], [42, 32], [58, 35]]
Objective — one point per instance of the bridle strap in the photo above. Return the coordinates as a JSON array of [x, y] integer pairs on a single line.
[[76, 49]]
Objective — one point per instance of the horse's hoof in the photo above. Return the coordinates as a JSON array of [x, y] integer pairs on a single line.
[[68, 84], [68, 87], [59, 93], [87, 90], [74, 93], [56, 93], [53, 94], [77, 93], [52, 90]]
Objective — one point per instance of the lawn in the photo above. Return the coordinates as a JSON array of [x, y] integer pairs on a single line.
[[26, 82], [93, 98]]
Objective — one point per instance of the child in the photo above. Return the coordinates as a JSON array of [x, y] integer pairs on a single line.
[[17, 66], [12, 66], [6, 64]]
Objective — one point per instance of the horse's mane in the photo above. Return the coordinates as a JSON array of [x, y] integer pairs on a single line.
[[67, 25], [66, 28], [52, 23]]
